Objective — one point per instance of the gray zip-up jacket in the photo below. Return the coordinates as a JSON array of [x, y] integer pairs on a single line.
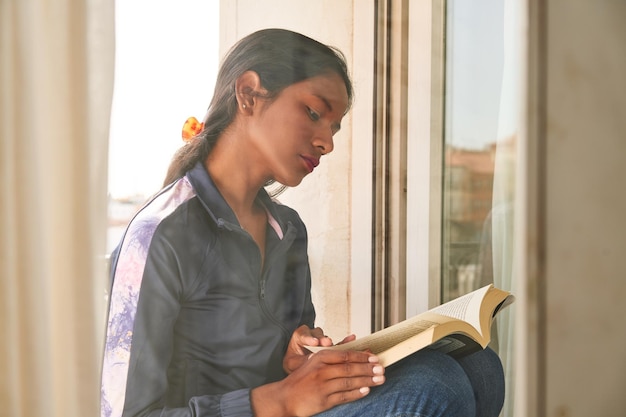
[[195, 321]]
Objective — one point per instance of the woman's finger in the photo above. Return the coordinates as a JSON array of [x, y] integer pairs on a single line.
[[347, 339], [330, 356]]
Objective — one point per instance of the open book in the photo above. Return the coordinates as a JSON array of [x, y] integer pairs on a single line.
[[458, 328]]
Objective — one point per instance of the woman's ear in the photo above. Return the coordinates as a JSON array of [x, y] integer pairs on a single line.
[[249, 90]]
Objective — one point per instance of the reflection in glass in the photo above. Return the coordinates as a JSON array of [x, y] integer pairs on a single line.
[[481, 125]]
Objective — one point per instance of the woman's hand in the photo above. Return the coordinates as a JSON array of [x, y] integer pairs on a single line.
[[328, 378], [297, 354]]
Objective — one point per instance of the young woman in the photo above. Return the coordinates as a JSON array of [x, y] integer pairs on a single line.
[[210, 306]]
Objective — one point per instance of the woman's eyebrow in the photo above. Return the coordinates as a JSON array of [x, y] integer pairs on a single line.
[[326, 102]]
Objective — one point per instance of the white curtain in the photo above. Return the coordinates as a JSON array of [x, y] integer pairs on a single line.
[[56, 82], [504, 193]]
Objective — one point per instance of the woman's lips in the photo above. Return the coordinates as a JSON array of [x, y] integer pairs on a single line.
[[311, 162]]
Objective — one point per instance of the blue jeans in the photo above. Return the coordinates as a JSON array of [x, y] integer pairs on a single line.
[[432, 384]]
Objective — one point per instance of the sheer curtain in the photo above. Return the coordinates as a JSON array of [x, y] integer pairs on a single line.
[[504, 193], [56, 79]]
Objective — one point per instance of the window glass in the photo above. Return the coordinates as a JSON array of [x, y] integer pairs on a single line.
[[481, 126], [166, 59]]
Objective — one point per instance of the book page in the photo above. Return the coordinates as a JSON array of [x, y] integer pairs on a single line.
[[381, 341], [386, 338], [466, 307], [393, 335], [459, 318]]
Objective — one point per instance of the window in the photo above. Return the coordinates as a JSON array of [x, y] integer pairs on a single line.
[[481, 116], [464, 63], [164, 73]]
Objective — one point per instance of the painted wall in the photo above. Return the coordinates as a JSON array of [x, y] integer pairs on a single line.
[[586, 208], [577, 236]]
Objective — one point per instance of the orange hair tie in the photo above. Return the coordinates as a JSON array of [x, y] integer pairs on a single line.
[[191, 128]]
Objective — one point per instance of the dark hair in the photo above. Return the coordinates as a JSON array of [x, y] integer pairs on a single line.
[[281, 58]]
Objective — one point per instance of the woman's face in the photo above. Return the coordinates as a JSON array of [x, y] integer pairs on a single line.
[[292, 131]]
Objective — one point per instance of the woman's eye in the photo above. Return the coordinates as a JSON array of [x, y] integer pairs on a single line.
[[313, 114]]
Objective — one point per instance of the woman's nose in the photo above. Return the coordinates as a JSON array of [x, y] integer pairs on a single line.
[[324, 141]]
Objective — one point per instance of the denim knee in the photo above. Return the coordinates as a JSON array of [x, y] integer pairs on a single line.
[[436, 385], [485, 372], [433, 384]]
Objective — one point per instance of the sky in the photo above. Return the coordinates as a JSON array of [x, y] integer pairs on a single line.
[[167, 55], [483, 71]]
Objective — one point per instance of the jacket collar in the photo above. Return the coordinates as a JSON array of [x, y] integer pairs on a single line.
[[214, 202]]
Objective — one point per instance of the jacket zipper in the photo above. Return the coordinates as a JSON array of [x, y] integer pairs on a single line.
[[268, 261], [233, 228]]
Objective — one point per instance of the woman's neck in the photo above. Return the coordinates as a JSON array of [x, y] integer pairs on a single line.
[[236, 174], [238, 177]]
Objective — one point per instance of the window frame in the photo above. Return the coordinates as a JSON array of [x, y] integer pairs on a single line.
[[425, 130]]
